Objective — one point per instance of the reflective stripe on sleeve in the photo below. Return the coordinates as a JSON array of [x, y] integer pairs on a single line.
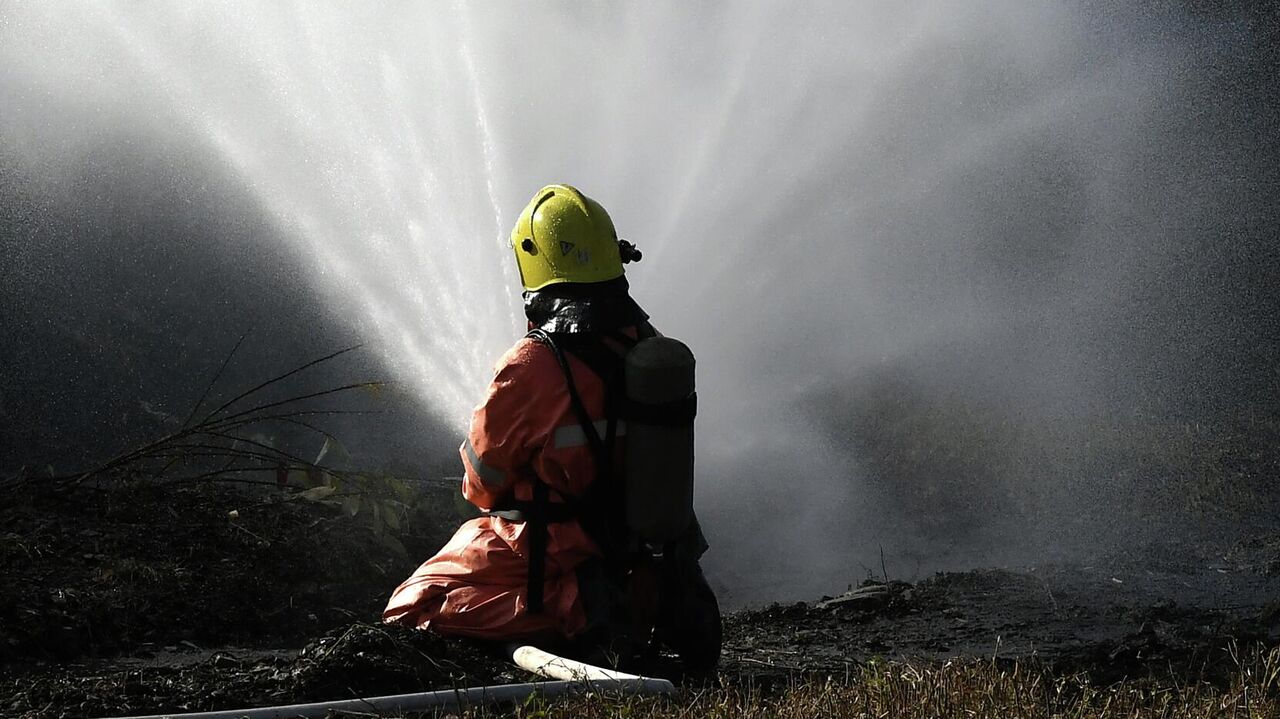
[[572, 435], [491, 477]]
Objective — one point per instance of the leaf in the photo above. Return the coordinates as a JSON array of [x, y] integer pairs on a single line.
[[334, 447], [391, 516], [402, 490], [316, 494], [392, 543], [351, 505]]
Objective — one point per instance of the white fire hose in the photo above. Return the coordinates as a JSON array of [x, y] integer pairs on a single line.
[[572, 677]]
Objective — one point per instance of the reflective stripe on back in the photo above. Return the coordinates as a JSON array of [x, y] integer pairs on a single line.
[[572, 435]]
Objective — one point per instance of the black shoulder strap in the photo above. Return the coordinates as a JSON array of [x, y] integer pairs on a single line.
[[536, 512], [575, 400], [537, 523], [592, 349]]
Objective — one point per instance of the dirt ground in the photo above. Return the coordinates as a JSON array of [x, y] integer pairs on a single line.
[[139, 599]]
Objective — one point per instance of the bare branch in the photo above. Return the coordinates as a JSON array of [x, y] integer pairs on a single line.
[[273, 380], [216, 376]]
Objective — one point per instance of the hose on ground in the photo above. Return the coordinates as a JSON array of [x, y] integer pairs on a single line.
[[570, 676]]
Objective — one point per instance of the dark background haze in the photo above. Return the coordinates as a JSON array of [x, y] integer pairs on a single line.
[[968, 284]]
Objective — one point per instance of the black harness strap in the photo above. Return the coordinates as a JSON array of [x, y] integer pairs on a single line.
[[515, 510], [679, 413], [600, 510], [536, 512], [537, 524], [605, 499]]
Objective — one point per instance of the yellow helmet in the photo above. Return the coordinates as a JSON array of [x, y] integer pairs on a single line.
[[565, 236]]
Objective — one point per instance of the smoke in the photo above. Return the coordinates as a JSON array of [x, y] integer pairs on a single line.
[[938, 261]]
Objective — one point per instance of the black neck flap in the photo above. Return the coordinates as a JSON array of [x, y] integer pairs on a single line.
[[579, 307]]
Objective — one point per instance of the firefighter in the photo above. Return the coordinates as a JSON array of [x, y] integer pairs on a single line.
[[553, 556]]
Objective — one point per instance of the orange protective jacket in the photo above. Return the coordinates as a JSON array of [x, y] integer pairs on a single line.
[[525, 429]]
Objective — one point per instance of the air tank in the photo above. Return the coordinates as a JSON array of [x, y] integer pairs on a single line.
[[659, 454]]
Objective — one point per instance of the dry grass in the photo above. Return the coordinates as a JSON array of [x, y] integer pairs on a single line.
[[970, 688]]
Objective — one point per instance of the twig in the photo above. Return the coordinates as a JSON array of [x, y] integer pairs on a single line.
[[279, 452], [220, 474], [251, 534], [770, 665], [193, 440], [1049, 591], [307, 425], [221, 424], [273, 380], [291, 400], [216, 375]]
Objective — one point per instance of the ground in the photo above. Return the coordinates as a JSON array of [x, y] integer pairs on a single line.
[[135, 598]]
